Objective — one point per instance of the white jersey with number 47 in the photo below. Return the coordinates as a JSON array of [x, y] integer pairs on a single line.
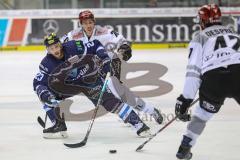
[[214, 47]]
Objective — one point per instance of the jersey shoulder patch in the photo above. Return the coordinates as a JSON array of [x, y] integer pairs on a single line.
[[199, 38], [101, 31], [77, 34], [80, 46], [39, 76]]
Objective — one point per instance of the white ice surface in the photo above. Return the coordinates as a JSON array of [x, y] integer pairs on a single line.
[[21, 138]]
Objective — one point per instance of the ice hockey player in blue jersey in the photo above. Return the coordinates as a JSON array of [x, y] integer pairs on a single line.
[[89, 81]]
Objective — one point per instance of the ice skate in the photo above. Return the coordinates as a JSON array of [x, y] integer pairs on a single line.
[[184, 152], [58, 130], [143, 130]]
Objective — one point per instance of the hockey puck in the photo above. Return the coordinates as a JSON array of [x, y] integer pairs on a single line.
[[112, 151]]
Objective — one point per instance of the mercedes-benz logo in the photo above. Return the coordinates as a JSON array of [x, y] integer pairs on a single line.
[[50, 26]]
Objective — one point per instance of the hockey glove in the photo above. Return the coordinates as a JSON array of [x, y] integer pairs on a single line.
[[49, 99], [126, 52], [181, 108]]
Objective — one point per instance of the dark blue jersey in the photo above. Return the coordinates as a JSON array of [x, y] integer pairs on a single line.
[[70, 49]]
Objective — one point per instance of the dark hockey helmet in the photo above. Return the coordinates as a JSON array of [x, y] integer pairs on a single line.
[[86, 14], [51, 39], [208, 15]]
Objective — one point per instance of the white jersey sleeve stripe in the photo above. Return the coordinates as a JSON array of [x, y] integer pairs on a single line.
[[99, 48], [192, 74], [194, 67]]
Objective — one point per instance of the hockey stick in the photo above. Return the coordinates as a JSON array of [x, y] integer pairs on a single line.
[[84, 141], [41, 122], [161, 129]]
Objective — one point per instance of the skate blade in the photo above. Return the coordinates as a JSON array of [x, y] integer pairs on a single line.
[[188, 157], [145, 134], [127, 125], [58, 135], [124, 124]]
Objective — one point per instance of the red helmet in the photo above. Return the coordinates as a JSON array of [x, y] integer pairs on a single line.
[[209, 14], [86, 15]]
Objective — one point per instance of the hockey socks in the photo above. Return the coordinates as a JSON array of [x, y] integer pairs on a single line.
[[149, 109], [146, 108], [128, 115], [126, 112], [50, 112], [59, 128]]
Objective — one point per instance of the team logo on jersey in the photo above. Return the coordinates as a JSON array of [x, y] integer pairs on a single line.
[[55, 80], [207, 58], [84, 70], [209, 107], [79, 46], [39, 76]]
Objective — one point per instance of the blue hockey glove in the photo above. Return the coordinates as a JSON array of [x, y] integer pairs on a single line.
[[49, 99], [53, 103]]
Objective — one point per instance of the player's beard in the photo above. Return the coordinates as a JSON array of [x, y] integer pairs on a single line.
[[58, 54]]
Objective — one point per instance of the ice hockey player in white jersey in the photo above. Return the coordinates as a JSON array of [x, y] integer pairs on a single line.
[[213, 69], [112, 41], [109, 38]]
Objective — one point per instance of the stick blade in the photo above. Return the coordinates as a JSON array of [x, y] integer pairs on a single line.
[[40, 121], [139, 148], [76, 145]]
